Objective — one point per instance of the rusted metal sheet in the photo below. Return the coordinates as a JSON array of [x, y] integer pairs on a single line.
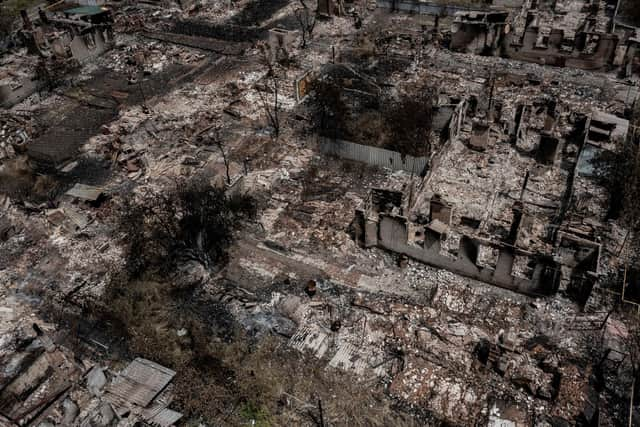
[[303, 85]]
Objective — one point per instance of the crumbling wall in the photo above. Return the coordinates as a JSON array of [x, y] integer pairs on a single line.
[[10, 96], [470, 38], [457, 119], [280, 43], [551, 52], [416, 6], [330, 7], [478, 33], [391, 232], [87, 46]]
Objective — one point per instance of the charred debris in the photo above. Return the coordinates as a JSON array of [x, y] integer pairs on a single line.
[[322, 213]]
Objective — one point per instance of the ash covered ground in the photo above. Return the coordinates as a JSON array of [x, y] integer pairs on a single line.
[[319, 213]]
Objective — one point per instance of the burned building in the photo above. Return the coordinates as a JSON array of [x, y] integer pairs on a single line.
[[478, 218], [426, 244], [256, 212], [61, 38], [478, 32]]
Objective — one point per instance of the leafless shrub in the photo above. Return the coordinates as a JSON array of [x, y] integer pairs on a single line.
[[270, 102], [409, 122], [192, 221], [307, 20]]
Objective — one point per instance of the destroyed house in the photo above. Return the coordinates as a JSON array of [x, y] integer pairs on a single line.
[[501, 223], [71, 37], [478, 32], [589, 50], [383, 227]]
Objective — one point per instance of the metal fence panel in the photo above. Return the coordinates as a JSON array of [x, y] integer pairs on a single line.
[[373, 156]]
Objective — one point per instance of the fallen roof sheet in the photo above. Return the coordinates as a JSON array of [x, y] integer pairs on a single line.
[[438, 226], [141, 382], [85, 192], [165, 418]]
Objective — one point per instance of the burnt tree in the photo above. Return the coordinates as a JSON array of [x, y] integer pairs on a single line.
[[330, 108], [619, 173], [409, 122], [307, 21], [191, 222], [268, 94]]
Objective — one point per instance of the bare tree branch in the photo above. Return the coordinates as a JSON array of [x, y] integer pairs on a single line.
[[272, 111], [307, 23]]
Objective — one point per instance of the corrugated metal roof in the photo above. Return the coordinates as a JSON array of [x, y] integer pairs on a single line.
[[85, 192], [165, 418], [311, 338], [141, 381], [348, 357]]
